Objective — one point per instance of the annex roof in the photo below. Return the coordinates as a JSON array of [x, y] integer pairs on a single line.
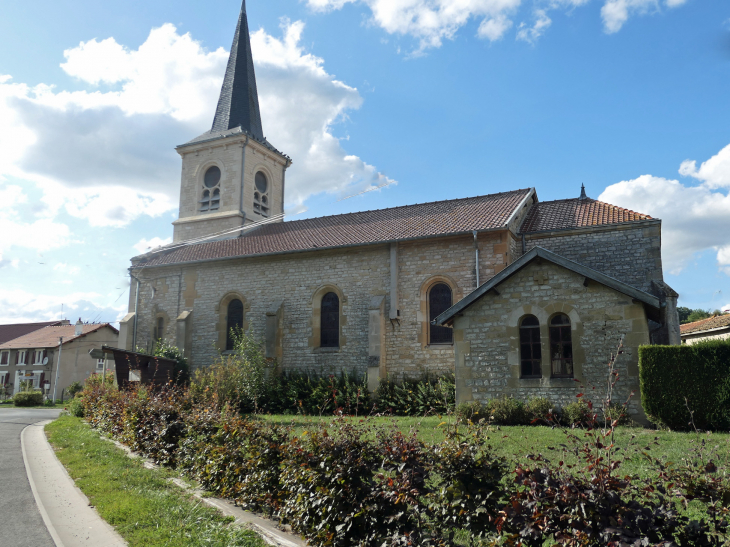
[[538, 252], [438, 218], [47, 337], [11, 332], [703, 325], [576, 213]]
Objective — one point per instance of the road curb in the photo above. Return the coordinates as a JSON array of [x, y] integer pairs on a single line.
[[41, 508]]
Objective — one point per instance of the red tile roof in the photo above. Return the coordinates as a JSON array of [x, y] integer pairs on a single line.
[[10, 332], [47, 337], [576, 213], [710, 323], [383, 225]]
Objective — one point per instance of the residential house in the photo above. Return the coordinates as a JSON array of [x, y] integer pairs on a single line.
[[712, 328]]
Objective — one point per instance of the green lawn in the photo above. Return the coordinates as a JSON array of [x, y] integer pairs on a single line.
[[145, 508], [516, 443]]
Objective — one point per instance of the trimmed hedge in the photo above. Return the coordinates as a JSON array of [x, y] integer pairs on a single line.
[[677, 379], [28, 398]]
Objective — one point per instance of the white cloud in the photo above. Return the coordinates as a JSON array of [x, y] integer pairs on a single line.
[[616, 12], [432, 21], [19, 306], [146, 245], [714, 173], [694, 218], [66, 269], [531, 34], [108, 156]]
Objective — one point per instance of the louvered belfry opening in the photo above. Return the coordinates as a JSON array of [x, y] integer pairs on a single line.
[[439, 300], [330, 321]]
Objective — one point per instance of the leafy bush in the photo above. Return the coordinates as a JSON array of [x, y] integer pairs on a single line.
[[473, 411], [540, 411], [75, 408], [28, 398], [168, 351], [577, 413], [618, 413], [686, 385], [74, 388], [416, 397], [508, 411]]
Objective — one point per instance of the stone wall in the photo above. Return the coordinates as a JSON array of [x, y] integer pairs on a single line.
[[487, 337], [628, 252]]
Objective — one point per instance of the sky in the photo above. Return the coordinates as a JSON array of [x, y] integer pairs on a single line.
[[438, 99]]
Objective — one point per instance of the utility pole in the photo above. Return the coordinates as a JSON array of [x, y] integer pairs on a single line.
[[58, 366]]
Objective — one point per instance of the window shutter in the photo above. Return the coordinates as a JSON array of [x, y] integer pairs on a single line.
[[17, 356], [40, 382], [45, 354]]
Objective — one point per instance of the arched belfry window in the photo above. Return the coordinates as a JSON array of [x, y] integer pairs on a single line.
[[211, 196], [330, 321], [530, 348], [439, 300], [561, 347], [261, 195], [234, 322]]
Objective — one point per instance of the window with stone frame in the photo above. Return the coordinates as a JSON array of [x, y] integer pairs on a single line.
[[440, 299], [21, 357], [261, 195], [530, 348], [4, 358], [159, 333], [234, 322], [330, 321], [38, 356], [561, 347]]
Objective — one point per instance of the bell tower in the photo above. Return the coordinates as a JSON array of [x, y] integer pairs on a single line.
[[231, 175]]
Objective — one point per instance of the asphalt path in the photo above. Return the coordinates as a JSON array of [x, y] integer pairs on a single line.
[[22, 525]]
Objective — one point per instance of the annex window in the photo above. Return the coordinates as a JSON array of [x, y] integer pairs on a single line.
[[4, 358], [530, 349], [561, 347], [234, 322], [211, 191], [100, 364], [261, 195], [439, 300], [38, 356], [330, 321]]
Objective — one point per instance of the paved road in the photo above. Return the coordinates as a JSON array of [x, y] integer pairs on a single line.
[[22, 525]]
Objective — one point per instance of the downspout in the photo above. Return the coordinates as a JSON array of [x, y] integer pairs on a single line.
[[243, 180], [476, 250]]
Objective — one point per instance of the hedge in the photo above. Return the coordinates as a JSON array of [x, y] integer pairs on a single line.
[[28, 398], [677, 379]]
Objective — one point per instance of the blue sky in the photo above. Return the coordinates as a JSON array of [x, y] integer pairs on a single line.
[[446, 98]]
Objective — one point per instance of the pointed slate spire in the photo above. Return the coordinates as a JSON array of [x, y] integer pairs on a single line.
[[238, 104], [583, 192]]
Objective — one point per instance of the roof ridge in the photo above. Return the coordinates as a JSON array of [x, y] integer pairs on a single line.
[[404, 206]]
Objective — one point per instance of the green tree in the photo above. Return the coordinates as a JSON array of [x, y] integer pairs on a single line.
[[683, 313], [698, 315], [167, 351]]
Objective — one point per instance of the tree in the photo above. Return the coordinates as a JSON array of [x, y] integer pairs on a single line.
[[683, 313], [698, 315]]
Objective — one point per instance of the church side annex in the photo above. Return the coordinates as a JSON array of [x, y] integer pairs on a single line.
[[514, 295]]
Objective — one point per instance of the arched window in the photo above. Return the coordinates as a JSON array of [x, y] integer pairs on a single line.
[[530, 349], [234, 322], [211, 191], [330, 321], [439, 300], [561, 347], [260, 195], [159, 328]]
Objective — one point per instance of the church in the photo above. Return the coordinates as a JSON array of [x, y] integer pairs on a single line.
[[513, 295]]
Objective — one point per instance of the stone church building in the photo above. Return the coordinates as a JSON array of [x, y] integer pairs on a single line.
[[514, 295]]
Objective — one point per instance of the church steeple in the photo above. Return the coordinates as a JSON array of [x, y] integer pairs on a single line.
[[238, 105]]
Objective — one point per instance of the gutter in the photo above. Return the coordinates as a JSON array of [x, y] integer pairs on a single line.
[[315, 249]]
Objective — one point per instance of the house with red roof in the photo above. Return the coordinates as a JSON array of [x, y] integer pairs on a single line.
[[54, 356], [513, 295], [716, 327]]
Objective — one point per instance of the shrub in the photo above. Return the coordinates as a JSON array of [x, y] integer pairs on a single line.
[[508, 411], [473, 411], [416, 397], [576, 413], [75, 408], [617, 412], [74, 388], [540, 410], [685, 384], [168, 351], [28, 398]]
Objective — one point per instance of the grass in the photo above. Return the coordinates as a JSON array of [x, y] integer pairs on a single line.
[[9, 404], [517, 443], [144, 507]]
